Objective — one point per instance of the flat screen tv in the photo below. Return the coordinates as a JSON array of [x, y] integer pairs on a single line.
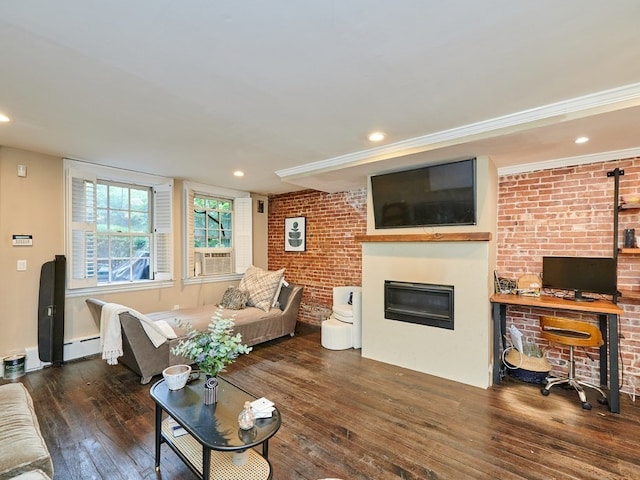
[[580, 274], [443, 194]]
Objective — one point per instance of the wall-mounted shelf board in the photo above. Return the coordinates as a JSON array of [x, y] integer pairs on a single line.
[[428, 237], [628, 206]]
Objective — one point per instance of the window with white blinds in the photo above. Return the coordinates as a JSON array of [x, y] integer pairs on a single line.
[[217, 231], [119, 226]]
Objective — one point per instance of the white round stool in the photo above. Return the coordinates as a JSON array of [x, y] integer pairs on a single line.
[[336, 335]]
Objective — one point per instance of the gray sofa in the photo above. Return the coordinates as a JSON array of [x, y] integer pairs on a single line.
[[255, 326], [23, 452]]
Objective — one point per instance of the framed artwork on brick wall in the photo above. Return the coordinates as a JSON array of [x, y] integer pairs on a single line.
[[295, 234]]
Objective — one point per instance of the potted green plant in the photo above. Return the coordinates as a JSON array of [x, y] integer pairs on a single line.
[[211, 350]]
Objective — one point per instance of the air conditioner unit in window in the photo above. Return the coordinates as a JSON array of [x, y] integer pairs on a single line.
[[214, 261]]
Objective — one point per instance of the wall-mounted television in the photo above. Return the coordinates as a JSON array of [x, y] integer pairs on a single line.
[[580, 274], [443, 194]]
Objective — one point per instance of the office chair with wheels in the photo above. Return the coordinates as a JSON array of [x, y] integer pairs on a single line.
[[573, 333]]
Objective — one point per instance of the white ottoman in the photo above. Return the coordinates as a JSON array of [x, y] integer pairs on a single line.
[[336, 335]]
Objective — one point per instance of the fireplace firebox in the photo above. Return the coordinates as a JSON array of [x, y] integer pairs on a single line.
[[420, 303]]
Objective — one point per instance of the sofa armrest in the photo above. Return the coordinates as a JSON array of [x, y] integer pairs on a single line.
[[290, 298], [139, 353], [22, 446], [95, 308]]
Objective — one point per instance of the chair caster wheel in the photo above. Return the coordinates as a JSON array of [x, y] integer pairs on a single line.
[[544, 392], [586, 405], [603, 401]]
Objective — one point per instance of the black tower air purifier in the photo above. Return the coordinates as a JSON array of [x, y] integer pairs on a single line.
[[51, 311]]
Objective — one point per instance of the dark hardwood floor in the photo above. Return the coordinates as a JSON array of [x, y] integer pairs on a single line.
[[347, 417]]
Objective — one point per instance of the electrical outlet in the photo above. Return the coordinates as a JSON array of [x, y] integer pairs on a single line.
[[176, 307], [22, 265]]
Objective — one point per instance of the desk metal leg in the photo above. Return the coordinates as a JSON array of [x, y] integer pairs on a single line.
[[614, 370], [499, 330], [604, 352]]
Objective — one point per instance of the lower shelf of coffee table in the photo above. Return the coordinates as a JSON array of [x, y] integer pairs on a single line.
[[222, 467]]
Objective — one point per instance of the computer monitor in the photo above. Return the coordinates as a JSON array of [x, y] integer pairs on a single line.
[[580, 274]]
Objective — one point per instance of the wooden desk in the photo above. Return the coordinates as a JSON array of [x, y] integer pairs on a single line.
[[608, 315]]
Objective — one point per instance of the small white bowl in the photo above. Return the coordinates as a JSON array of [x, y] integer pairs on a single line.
[[176, 376]]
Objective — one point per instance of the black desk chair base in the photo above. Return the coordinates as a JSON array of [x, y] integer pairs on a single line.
[[574, 383]]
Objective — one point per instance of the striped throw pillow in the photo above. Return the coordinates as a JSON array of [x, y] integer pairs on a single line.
[[261, 285]]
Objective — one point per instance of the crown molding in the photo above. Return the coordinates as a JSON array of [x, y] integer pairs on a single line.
[[586, 105], [571, 161]]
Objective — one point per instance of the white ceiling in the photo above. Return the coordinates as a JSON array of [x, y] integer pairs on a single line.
[[288, 90]]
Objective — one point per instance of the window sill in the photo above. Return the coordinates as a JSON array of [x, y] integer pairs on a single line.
[[119, 288]]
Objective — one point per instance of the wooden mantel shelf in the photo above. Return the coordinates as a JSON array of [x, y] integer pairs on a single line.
[[428, 237]]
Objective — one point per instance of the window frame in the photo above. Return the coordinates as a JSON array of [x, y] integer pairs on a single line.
[[241, 228], [81, 226]]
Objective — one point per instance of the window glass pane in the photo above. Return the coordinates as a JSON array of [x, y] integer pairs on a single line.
[[226, 242], [103, 271], [140, 268], [141, 246], [211, 204], [120, 246], [213, 221], [118, 221], [101, 196], [101, 220], [118, 197], [140, 222], [199, 218], [120, 270], [140, 200], [103, 246], [213, 240], [226, 205], [198, 202], [226, 221], [199, 238]]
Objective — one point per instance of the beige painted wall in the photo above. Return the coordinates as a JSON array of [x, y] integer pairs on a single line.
[[35, 205], [28, 205], [462, 354]]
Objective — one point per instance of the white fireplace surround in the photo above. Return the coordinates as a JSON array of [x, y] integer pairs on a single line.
[[463, 354]]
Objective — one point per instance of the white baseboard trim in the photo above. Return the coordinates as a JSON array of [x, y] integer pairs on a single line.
[[32, 360], [81, 347], [72, 350]]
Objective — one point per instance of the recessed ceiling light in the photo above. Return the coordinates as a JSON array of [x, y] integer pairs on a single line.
[[376, 136], [582, 140], [4, 118], [238, 173]]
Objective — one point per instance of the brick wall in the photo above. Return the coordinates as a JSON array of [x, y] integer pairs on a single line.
[[569, 211], [332, 256]]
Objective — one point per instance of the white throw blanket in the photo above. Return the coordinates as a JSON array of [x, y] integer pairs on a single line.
[[111, 332]]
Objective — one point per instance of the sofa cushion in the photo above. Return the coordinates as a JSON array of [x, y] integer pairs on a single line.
[[253, 324], [22, 446], [32, 475], [234, 298], [261, 285]]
